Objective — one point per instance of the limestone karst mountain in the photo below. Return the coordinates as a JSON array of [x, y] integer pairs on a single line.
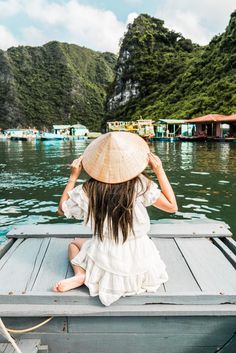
[[55, 83], [161, 74]]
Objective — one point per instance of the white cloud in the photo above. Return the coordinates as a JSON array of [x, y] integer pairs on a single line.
[[131, 17], [100, 29], [33, 36], [82, 24], [74, 22], [9, 7], [50, 13], [6, 38], [198, 20], [189, 26], [87, 25]]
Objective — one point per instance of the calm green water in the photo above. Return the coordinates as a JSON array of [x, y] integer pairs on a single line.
[[34, 174]]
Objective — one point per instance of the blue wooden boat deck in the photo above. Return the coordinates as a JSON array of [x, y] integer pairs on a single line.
[[194, 311]]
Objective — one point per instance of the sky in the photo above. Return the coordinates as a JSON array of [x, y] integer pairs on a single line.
[[100, 24]]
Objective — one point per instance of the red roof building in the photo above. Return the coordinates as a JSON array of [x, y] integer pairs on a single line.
[[213, 118], [212, 125]]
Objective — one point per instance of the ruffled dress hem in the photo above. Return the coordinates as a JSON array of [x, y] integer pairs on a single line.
[[111, 286]]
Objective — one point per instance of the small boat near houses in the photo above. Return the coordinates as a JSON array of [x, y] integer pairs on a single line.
[[51, 136], [21, 134], [193, 312], [66, 132], [197, 138]]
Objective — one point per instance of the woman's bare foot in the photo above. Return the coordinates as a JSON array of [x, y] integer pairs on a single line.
[[69, 283]]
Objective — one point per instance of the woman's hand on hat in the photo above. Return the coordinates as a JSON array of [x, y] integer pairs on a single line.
[[154, 162], [76, 167]]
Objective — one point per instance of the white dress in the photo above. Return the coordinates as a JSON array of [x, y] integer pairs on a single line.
[[119, 269]]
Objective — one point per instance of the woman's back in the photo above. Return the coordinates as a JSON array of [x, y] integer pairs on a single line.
[[114, 266], [120, 259], [144, 194]]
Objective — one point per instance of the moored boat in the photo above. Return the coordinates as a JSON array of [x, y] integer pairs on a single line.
[[193, 312], [193, 138], [93, 135], [230, 139], [170, 139], [21, 134], [51, 136], [3, 137]]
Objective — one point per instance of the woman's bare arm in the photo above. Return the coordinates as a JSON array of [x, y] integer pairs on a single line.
[[167, 201], [76, 168]]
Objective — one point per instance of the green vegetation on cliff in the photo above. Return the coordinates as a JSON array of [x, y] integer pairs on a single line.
[[160, 74], [53, 84]]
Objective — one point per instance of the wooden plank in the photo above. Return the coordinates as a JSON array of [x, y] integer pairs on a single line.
[[176, 265], [229, 346], [54, 266], [29, 345], [20, 265], [27, 310], [209, 266], [181, 228], [226, 251], [141, 343], [171, 324], [189, 229], [38, 263], [56, 325], [5, 246], [26, 346], [55, 230], [81, 297], [10, 252], [9, 349], [3, 347], [231, 243]]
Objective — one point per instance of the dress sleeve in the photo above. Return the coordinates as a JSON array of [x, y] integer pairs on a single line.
[[77, 204], [151, 195]]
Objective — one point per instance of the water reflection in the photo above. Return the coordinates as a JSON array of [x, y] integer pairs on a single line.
[[186, 155], [34, 174]]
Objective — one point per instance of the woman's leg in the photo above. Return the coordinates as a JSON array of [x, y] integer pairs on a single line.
[[78, 279], [73, 250]]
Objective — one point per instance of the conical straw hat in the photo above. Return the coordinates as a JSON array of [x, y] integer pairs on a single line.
[[116, 157]]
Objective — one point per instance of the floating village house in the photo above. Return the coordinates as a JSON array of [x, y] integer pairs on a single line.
[[215, 125], [143, 127], [172, 128], [73, 130], [212, 126]]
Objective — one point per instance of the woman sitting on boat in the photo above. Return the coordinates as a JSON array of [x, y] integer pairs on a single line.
[[120, 259]]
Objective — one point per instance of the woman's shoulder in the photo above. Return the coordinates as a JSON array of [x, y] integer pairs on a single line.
[[143, 184], [78, 193]]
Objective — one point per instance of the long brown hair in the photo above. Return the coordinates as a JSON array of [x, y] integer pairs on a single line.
[[114, 201]]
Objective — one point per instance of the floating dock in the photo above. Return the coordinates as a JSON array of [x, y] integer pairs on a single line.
[[194, 312]]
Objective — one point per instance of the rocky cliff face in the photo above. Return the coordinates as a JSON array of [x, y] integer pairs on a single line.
[[55, 83], [159, 73]]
